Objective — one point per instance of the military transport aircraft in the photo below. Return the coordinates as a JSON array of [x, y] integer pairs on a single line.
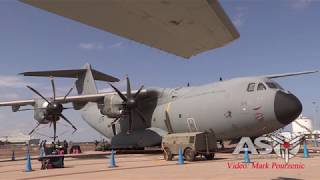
[[247, 106]]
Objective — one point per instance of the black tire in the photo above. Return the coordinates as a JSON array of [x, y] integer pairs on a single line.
[[209, 156], [167, 154], [189, 154]]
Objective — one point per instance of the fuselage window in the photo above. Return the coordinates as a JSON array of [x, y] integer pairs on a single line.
[[261, 87], [251, 87], [271, 85]]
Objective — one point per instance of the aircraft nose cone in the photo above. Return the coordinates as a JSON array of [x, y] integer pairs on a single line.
[[287, 107]]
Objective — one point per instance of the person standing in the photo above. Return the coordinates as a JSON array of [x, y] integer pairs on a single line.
[[65, 147], [61, 153], [42, 150]]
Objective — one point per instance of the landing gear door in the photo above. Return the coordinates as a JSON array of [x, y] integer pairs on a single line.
[[192, 125]]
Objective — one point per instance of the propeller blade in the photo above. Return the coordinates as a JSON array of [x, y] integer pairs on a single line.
[[34, 129], [115, 120], [68, 93], [54, 130], [138, 92], [119, 93], [130, 123], [141, 116], [128, 87], [114, 129], [63, 117], [53, 89], [35, 91]]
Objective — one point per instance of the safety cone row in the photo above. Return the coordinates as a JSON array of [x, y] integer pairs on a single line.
[[112, 160], [305, 150], [180, 156], [28, 163]]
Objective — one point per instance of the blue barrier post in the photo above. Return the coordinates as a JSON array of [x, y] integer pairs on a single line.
[[28, 163], [246, 154], [305, 149], [112, 160], [180, 157]]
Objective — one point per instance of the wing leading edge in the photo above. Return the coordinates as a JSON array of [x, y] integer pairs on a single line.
[[272, 76], [63, 100]]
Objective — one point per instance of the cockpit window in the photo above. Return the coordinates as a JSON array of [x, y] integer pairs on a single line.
[[251, 87], [271, 85], [261, 87]]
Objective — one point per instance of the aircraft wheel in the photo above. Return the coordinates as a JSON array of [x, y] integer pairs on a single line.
[[167, 154], [209, 156], [189, 154]]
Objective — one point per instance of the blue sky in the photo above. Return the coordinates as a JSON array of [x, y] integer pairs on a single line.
[[276, 37]]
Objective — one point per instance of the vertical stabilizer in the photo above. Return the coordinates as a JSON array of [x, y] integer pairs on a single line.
[[86, 83]]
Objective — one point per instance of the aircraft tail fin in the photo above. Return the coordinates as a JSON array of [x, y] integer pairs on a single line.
[[85, 83], [85, 77]]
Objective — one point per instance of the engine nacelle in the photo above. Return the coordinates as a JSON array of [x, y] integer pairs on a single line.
[[112, 106], [40, 111]]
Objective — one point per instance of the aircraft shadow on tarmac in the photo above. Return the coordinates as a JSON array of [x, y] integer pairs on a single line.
[[286, 178]]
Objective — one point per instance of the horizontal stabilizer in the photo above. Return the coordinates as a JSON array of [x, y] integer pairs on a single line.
[[290, 74], [74, 73]]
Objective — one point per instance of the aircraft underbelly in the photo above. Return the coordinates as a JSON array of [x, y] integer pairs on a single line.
[[138, 138], [91, 114]]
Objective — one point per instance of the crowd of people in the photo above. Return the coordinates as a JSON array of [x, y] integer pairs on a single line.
[[54, 148], [47, 153]]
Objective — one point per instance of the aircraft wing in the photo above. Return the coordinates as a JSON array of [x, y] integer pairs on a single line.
[[182, 27], [78, 98], [289, 74], [18, 103]]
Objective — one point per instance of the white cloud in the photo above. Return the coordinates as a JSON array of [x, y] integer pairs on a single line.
[[300, 4], [8, 96], [116, 45], [238, 19], [12, 82], [91, 46]]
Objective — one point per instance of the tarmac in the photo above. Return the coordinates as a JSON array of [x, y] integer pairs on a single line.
[[153, 166]]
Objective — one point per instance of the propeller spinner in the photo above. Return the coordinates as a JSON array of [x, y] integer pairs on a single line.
[[129, 103]]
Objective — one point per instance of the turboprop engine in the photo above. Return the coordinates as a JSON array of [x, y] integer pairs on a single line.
[[112, 106]]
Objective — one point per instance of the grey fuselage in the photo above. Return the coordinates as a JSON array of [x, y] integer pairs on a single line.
[[229, 109]]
